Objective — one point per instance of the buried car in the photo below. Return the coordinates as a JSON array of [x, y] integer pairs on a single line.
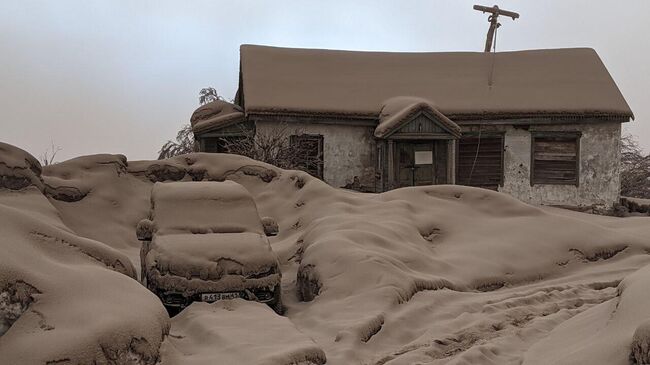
[[205, 242]]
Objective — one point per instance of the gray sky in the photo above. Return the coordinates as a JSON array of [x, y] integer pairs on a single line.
[[123, 76]]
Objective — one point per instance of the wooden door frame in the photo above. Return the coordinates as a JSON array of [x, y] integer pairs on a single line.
[[393, 180]]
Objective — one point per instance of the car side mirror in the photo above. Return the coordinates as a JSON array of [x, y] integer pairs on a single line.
[[144, 230], [270, 226]]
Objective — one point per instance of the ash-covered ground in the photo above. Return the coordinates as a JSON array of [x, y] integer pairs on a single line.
[[428, 275]]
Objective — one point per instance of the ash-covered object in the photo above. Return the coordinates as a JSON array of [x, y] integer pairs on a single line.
[[238, 332], [215, 114], [67, 298], [165, 172], [396, 275], [206, 242], [15, 298], [70, 181], [307, 283], [18, 169], [641, 344], [271, 227]]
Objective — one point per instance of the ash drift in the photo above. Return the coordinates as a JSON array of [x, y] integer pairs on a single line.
[[431, 275]]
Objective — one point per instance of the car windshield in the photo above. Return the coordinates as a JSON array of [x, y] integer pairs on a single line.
[[204, 207]]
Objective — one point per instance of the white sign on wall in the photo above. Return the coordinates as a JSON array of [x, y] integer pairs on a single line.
[[423, 157]]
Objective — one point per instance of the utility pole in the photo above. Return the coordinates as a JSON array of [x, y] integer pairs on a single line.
[[494, 23]]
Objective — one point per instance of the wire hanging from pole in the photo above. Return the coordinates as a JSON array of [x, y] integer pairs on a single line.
[[478, 147], [494, 47], [496, 30]]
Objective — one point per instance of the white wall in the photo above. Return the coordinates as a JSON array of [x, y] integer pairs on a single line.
[[599, 182], [348, 151]]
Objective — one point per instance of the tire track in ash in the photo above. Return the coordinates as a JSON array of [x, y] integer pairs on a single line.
[[500, 324]]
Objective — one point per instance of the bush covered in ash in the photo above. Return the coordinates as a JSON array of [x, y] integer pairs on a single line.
[[635, 169]]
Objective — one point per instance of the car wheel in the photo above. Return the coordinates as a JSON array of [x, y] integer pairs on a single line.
[[173, 310]]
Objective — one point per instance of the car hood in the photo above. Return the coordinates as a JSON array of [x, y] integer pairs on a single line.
[[212, 256]]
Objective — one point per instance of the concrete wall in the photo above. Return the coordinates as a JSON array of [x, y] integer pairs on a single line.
[[599, 181], [348, 151], [351, 151]]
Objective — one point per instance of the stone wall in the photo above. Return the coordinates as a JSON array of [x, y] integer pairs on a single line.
[[599, 181], [349, 151]]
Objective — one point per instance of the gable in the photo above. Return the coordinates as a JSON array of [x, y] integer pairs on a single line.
[[422, 123], [407, 116]]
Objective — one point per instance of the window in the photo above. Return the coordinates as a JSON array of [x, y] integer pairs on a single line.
[[219, 144], [555, 158], [479, 161], [310, 148]]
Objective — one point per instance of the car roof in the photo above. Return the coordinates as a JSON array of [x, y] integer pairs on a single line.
[[204, 206], [198, 190]]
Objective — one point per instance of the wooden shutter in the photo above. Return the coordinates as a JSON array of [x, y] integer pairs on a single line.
[[479, 161], [555, 159]]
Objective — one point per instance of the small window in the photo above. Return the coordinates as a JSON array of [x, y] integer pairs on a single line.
[[309, 146], [219, 144], [555, 158], [212, 144]]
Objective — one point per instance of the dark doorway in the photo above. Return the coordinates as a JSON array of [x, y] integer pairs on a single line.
[[421, 163]]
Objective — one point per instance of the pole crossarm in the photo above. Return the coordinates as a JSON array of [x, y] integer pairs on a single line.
[[494, 12]]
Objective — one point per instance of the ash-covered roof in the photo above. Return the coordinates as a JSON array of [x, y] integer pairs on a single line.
[[399, 110], [534, 83], [214, 115]]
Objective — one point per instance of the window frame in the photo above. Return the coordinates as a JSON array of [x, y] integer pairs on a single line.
[[295, 138], [577, 135]]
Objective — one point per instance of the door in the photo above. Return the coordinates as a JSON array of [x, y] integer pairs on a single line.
[[416, 163]]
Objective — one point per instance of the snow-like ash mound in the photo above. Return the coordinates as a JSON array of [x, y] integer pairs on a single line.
[[241, 332], [65, 298], [18, 169], [434, 274]]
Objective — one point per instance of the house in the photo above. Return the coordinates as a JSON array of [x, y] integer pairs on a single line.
[[541, 125]]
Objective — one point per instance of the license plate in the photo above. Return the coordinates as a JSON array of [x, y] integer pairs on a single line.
[[211, 297]]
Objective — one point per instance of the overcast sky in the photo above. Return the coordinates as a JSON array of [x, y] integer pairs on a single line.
[[123, 76]]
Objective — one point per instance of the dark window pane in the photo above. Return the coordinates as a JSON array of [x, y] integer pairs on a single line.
[[311, 147], [219, 144]]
